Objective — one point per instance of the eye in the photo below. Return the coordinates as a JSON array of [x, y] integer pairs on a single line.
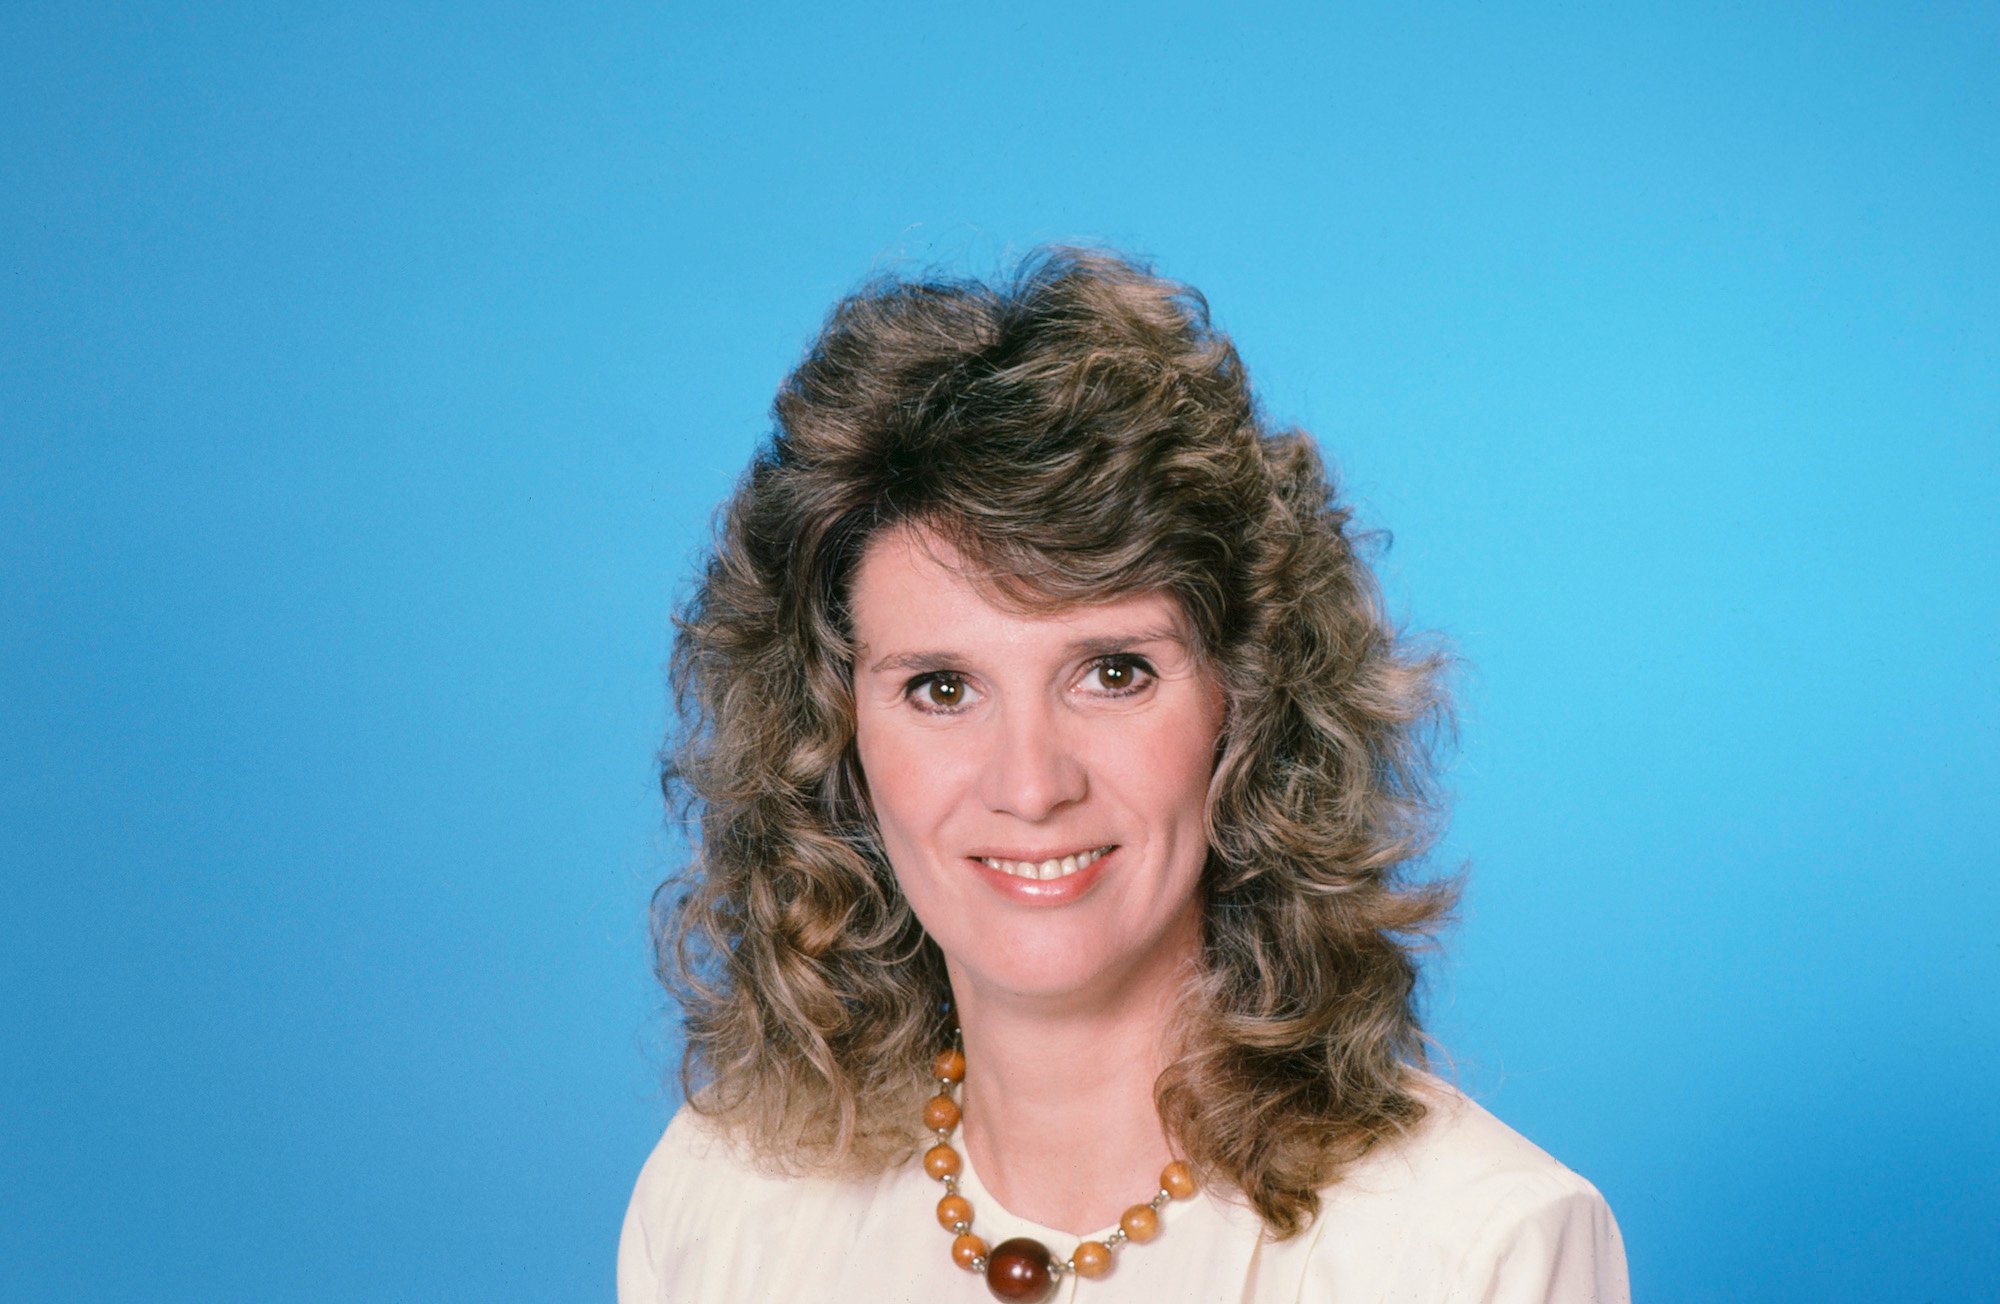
[[940, 693], [1118, 676]]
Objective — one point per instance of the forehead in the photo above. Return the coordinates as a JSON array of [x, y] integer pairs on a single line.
[[913, 585]]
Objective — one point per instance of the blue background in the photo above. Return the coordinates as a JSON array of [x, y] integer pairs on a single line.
[[368, 374]]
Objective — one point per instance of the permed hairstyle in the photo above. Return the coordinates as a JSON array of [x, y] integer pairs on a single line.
[[1079, 432]]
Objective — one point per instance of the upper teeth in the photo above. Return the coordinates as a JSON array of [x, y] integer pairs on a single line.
[[1062, 868]]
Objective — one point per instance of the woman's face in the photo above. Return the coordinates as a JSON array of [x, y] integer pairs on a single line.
[[1039, 779]]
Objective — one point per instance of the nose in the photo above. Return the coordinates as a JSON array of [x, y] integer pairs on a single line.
[[1031, 770]]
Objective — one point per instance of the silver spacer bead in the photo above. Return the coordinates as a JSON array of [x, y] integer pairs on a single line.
[[978, 1264], [1160, 1200], [961, 1227], [950, 1181], [1115, 1239]]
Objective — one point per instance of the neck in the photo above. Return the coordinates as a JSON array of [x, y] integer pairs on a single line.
[[1059, 1118]]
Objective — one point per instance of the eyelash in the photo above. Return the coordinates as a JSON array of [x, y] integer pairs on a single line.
[[1124, 660], [1142, 669], [913, 689]]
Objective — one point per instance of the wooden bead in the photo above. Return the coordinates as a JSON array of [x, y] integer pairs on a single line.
[[953, 1210], [1177, 1180], [1019, 1269], [966, 1248], [949, 1066], [941, 1161], [1092, 1259], [940, 1113], [1141, 1224]]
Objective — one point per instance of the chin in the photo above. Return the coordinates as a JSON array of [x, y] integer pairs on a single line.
[[1047, 972]]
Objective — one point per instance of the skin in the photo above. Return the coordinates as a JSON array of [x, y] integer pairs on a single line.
[[989, 732]]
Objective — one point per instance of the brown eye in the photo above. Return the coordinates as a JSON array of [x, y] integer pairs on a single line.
[[940, 692], [1119, 676]]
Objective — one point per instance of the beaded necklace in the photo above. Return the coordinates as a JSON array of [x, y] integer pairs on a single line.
[[1022, 1269]]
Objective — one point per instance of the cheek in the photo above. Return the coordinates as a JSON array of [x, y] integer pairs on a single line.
[[901, 787], [1174, 762], [905, 791], [880, 775]]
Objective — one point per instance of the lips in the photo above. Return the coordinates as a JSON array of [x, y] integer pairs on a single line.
[[1053, 867]]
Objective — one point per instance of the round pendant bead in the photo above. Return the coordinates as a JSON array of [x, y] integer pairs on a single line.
[[941, 1113], [1018, 1271], [1140, 1223], [954, 1213], [941, 1161], [1092, 1259]]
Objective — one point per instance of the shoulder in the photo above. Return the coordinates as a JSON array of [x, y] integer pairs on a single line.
[[694, 1184], [708, 1221], [698, 1177], [1461, 1148], [693, 1151], [1463, 1206]]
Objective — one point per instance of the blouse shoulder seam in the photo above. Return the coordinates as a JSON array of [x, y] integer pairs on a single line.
[[1528, 1196]]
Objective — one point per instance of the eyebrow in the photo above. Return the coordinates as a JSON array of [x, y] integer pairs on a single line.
[[1095, 646]]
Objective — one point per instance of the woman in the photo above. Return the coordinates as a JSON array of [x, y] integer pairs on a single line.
[[1057, 773]]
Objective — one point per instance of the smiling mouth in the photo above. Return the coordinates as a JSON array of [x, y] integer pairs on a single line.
[[1045, 869]]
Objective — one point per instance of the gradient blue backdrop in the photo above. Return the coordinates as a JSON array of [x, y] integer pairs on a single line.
[[368, 373]]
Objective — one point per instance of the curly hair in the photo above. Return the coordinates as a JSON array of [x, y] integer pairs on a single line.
[[1080, 432]]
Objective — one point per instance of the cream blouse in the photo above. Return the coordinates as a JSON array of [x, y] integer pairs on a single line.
[[1463, 1210]]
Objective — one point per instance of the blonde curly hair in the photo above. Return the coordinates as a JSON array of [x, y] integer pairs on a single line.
[[1080, 431]]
